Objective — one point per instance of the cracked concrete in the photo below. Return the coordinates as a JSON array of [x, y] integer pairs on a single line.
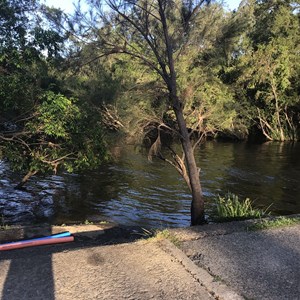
[[89, 269], [217, 261], [256, 264]]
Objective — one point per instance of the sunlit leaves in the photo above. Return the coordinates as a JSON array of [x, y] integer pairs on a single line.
[[41, 129], [60, 134], [55, 115], [269, 67]]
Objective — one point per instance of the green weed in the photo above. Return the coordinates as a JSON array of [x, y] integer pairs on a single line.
[[274, 223], [87, 222], [3, 226], [231, 207], [103, 222], [218, 278], [161, 234]]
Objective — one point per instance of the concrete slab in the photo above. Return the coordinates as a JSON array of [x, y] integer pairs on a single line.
[[256, 264], [135, 271]]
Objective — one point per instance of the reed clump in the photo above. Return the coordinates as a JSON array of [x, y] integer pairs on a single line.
[[230, 207]]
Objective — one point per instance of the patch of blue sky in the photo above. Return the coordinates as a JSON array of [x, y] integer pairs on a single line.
[[68, 7]]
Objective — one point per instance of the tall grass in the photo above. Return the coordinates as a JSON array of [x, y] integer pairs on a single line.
[[231, 207]]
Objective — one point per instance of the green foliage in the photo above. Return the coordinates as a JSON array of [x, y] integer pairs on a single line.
[[209, 103], [234, 71], [274, 223], [230, 207], [61, 133], [97, 83], [87, 222], [55, 116], [156, 235], [3, 225], [269, 67], [23, 65], [142, 99], [41, 129]]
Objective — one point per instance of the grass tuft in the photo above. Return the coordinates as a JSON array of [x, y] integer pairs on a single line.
[[230, 207], [161, 234], [87, 222], [274, 223], [3, 226]]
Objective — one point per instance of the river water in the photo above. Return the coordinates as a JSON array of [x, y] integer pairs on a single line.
[[134, 191]]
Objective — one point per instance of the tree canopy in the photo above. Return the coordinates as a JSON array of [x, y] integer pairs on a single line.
[[42, 127], [148, 71]]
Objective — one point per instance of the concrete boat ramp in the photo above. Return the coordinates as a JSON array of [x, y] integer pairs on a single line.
[[218, 261]]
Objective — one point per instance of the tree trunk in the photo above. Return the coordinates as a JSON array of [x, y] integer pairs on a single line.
[[25, 179], [197, 206]]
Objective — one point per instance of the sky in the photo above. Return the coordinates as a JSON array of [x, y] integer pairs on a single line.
[[67, 5]]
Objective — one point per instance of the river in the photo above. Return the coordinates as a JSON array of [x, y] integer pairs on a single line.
[[133, 191]]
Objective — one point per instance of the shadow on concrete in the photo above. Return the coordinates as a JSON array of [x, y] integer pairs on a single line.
[[258, 264], [21, 274], [25, 281]]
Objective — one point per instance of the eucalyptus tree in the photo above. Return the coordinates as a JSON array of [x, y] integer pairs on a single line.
[[156, 34]]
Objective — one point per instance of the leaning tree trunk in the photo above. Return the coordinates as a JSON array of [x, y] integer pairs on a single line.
[[197, 206], [25, 179]]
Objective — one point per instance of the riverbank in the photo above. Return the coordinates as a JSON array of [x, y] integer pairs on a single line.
[[219, 261]]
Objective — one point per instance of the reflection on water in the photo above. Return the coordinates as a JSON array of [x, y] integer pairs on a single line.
[[134, 191]]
